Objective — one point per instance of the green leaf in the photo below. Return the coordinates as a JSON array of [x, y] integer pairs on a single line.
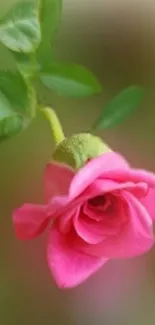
[[11, 126], [27, 64], [16, 104], [50, 15], [15, 90], [70, 80], [20, 28], [120, 107]]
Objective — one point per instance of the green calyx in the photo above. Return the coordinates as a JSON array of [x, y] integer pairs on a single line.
[[77, 150]]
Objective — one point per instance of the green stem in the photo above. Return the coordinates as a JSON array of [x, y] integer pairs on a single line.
[[55, 125]]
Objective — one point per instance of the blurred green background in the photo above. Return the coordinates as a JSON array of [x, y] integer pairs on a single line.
[[116, 39]]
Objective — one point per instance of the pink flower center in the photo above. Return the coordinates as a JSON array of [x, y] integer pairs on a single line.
[[96, 218]]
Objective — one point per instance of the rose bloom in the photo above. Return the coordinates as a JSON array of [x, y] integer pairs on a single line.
[[100, 212]]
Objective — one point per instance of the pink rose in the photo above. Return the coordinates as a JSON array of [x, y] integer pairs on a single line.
[[101, 212]]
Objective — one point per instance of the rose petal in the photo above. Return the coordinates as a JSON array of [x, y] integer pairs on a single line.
[[57, 205], [135, 239], [93, 232], [149, 203], [90, 232], [57, 179], [30, 221], [111, 166], [60, 204], [103, 186], [131, 175], [65, 222], [95, 168], [68, 266]]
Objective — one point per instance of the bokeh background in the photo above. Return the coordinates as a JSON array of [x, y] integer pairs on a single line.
[[116, 39]]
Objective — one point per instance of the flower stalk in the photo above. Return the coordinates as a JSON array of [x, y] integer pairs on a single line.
[[55, 125]]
